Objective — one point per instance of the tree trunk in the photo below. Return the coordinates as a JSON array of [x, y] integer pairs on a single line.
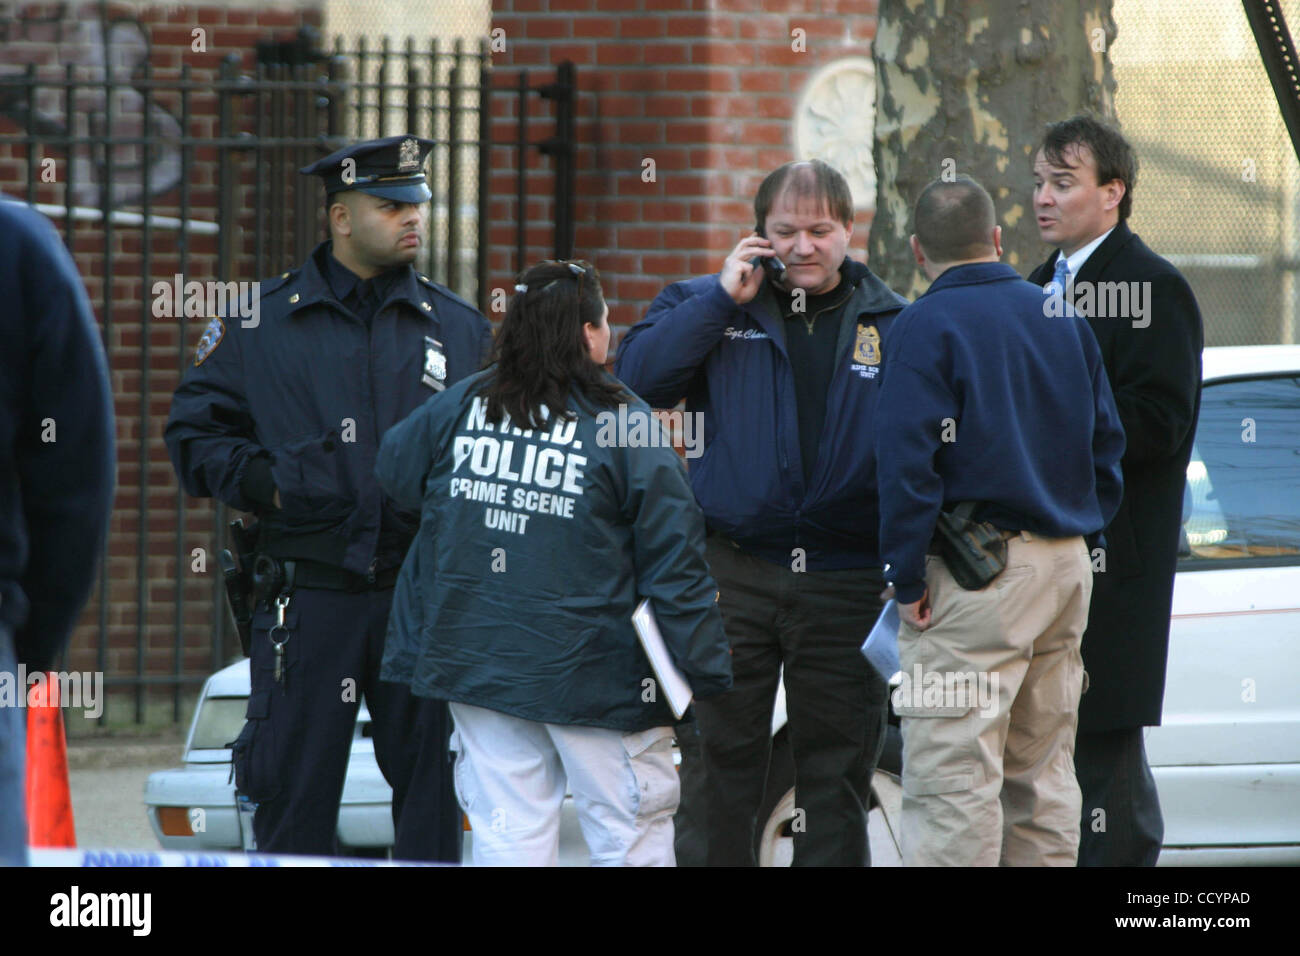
[[965, 87]]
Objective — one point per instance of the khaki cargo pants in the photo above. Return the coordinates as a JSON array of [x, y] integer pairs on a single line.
[[989, 706]]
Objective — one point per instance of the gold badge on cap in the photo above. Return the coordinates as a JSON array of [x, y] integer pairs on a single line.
[[866, 350], [408, 157]]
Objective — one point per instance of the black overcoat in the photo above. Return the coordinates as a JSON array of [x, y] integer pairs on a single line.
[[1154, 364]]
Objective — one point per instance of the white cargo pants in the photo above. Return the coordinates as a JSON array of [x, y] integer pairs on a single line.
[[511, 777]]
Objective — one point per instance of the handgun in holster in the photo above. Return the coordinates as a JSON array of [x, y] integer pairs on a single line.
[[239, 579]]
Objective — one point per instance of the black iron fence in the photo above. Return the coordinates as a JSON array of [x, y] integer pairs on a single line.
[[181, 176]]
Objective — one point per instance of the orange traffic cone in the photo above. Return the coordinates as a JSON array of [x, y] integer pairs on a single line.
[[49, 800]]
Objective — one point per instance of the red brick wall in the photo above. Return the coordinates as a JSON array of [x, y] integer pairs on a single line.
[[50, 36], [706, 89], [708, 94]]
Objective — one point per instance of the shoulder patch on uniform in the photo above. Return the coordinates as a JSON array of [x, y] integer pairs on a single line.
[[210, 339]]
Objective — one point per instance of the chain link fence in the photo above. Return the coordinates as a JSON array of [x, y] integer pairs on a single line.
[[1218, 190], [447, 55]]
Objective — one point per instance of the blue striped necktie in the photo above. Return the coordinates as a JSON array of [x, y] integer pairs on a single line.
[[1060, 279]]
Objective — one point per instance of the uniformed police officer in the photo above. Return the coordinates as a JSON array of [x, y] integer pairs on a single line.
[[282, 417]]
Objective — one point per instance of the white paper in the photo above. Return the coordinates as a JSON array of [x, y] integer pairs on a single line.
[[671, 681], [881, 645]]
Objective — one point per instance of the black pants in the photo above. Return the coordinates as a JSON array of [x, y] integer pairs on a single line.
[[299, 732], [814, 623], [1115, 778]]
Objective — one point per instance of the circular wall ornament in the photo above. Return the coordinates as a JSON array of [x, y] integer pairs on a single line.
[[835, 121]]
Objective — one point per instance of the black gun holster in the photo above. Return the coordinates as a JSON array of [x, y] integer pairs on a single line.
[[239, 577], [974, 551]]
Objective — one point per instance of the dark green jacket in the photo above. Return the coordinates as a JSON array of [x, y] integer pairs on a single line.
[[534, 549]]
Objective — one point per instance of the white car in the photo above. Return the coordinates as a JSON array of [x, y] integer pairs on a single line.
[[1226, 760], [193, 807]]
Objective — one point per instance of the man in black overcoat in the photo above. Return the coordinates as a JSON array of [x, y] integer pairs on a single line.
[[1149, 328]]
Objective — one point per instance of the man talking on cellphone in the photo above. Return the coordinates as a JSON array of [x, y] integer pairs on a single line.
[[783, 366]]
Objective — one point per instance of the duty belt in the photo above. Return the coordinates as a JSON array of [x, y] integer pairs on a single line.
[[314, 574]]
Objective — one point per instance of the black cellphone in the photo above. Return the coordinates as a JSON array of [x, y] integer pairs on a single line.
[[772, 265]]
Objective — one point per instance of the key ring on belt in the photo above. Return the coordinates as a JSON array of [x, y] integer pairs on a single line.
[[277, 647], [281, 605]]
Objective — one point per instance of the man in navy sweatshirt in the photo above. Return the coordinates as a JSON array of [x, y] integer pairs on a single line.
[[56, 471], [992, 398]]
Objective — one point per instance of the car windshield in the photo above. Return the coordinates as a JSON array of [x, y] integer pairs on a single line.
[[219, 722], [1242, 498]]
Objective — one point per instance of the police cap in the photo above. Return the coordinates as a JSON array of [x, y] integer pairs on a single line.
[[391, 168]]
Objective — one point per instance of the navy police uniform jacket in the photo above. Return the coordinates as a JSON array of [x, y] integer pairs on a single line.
[[533, 551], [730, 364], [299, 401]]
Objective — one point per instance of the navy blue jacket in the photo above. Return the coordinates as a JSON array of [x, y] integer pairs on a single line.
[[730, 364], [533, 551], [299, 402], [1034, 431], [56, 437]]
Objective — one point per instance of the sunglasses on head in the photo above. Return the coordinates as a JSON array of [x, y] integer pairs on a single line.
[[578, 267]]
